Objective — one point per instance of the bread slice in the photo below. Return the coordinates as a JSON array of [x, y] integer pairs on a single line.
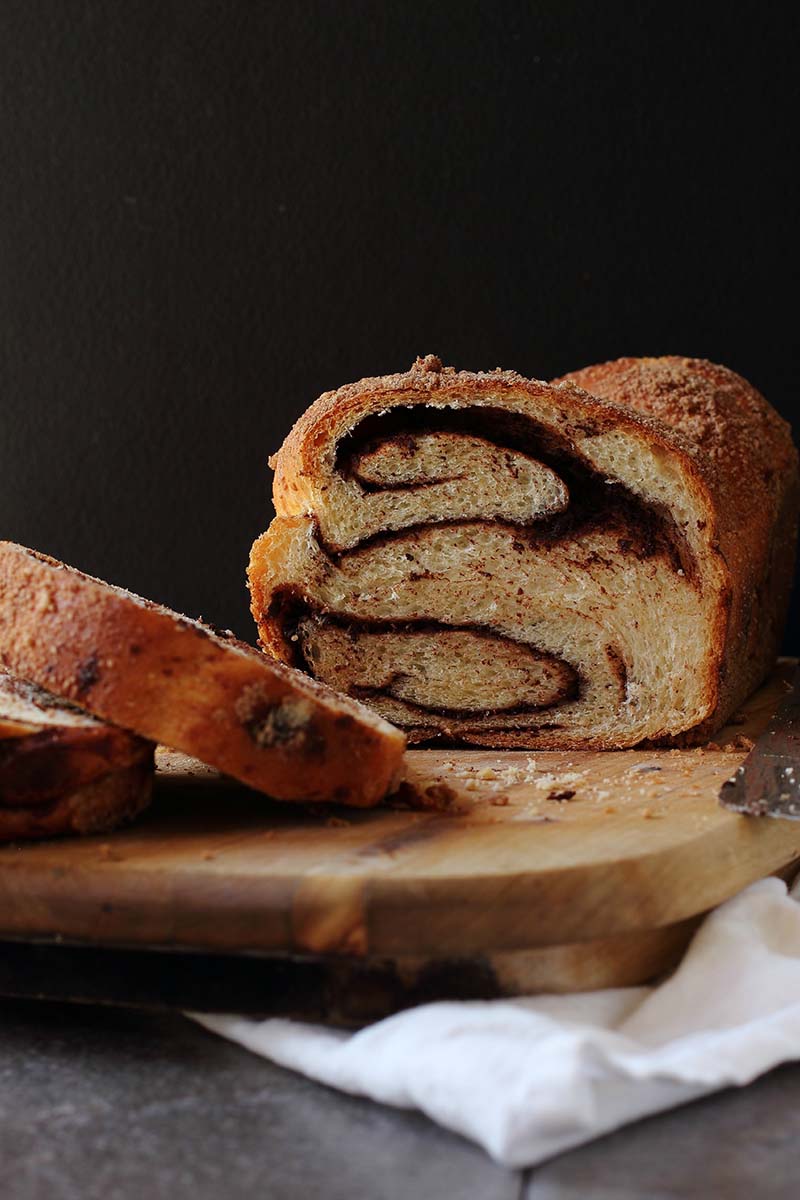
[[194, 688], [62, 771], [584, 564]]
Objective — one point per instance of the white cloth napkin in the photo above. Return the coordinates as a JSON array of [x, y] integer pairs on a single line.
[[531, 1077]]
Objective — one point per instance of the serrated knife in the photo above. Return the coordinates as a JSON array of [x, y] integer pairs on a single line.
[[767, 784]]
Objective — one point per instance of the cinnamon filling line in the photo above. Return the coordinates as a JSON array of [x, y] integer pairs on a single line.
[[420, 664]]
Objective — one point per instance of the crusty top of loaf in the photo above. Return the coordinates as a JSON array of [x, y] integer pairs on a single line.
[[428, 375], [715, 413]]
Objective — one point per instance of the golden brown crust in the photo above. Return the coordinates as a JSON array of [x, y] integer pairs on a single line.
[[724, 450], [177, 681]]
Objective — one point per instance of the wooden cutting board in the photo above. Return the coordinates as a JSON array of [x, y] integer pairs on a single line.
[[559, 871]]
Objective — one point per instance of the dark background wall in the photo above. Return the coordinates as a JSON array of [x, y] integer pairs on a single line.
[[212, 211]]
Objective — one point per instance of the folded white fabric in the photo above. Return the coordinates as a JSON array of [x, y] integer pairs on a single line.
[[529, 1078]]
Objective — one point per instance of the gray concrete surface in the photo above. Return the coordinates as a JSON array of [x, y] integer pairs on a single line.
[[116, 1104]]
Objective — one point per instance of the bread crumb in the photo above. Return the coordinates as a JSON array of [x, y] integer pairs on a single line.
[[108, 854], [562, 794], [549, 781], [209, 856], [740, 742], [500, 800]]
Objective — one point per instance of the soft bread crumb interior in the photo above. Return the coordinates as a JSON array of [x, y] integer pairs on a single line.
[[447, 528]]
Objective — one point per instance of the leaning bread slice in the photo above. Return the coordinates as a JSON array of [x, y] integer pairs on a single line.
[[62, 771], [177, 681]]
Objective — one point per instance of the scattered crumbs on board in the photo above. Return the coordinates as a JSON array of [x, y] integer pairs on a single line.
[[740, 743], [108, 854], [548, 782], [494, 779]]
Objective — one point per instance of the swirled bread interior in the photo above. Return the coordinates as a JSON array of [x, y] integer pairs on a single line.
[[509, 562]]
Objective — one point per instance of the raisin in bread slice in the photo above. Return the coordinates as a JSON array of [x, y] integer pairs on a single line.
[[582, 564], [62, 771], [196, 689]]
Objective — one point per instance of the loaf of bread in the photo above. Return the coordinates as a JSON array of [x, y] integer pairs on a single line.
[[62, 771], [590, 563], [194, 688]]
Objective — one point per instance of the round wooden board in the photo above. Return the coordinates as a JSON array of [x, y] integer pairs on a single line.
[[561, 870]]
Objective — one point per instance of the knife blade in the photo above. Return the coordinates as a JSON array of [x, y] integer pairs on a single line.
[[767, 783]]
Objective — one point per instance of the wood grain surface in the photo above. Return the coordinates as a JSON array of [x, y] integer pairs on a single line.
[[550, 871]]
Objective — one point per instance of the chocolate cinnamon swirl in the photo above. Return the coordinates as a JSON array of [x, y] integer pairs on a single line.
[[588, 563]]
